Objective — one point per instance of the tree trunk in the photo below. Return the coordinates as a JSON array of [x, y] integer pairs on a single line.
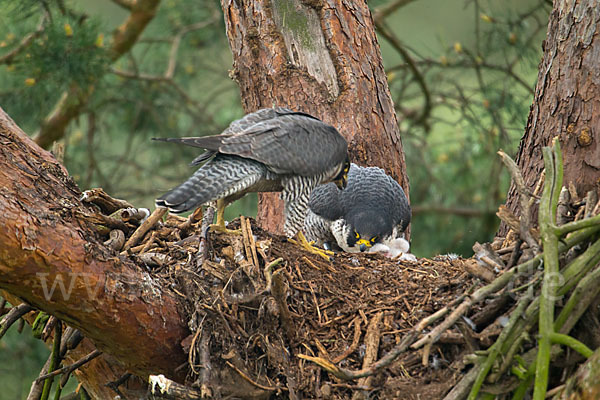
[[51, 259], [321, 57], [567, 100]]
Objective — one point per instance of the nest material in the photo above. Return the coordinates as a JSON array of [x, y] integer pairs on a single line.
[[269, 320], [261, 316], [257, 303]]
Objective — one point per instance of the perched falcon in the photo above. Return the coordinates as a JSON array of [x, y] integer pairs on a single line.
[[370, 214], [273, 149]]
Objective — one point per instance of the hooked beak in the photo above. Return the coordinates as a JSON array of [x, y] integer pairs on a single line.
[[342, 182], [363, 244]]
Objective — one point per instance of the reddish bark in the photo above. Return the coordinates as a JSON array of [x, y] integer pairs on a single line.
[[46, 240], [321, 57], [566, 102]]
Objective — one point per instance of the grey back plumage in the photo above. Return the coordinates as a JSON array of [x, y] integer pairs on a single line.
[[269, 150], [287, 142], [371, 187], [371, 198]]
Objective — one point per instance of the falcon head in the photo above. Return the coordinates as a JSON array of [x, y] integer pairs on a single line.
[[341, 179], [367, 228]]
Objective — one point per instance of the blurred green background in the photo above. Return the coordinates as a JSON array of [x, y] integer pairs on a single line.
[[461, 74]]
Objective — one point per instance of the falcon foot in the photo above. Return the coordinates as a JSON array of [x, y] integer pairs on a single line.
[[311, 248], [221, 229], [220, 225]]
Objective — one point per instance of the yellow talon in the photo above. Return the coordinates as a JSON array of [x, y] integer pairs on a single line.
[[311, 248], [220, 225]]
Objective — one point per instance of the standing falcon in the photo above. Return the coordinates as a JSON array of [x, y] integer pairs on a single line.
[[273, 149], [370, 214]]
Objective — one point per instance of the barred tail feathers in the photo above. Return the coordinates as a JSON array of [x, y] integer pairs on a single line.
[[219, 178]]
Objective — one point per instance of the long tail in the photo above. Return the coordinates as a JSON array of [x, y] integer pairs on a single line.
[[219, 178]]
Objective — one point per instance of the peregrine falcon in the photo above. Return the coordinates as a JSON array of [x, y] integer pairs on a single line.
[[370, 214], [273, 149]]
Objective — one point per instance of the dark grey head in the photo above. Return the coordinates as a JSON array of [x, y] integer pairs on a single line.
[[368, 227]]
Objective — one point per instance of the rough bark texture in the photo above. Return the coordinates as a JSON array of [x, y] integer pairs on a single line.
[[46, 243], [321, 57], [567, 101]]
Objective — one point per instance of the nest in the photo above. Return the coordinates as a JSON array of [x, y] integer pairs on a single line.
[[269, 320], [256, 305]]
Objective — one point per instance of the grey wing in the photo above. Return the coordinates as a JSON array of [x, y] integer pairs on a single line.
[[284, 140], [239, 126], [290, 143], [397, 201], [325, 202], [249, 120], [402, 208]]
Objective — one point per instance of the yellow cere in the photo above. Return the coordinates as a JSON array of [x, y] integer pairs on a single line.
[[366, 242]]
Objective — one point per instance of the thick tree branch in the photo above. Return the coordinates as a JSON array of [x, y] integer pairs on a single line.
[[51, 259]]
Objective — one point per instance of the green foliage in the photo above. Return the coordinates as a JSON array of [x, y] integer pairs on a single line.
[[70, 49]]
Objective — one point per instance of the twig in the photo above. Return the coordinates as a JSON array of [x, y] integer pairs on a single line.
[[591, 203], [525, 220], [247, 378], [372, 339], [156, 215], [547, 218], [206, 367], [354, 344], [461, 389], [566, 340], [202, 254], [134, 214], [269, 274], [584, 294], [576, 225], [562, 210], [514, 257], [55, 359], [12, 316], [280, 294], [495, 349], [170, 71], [27, 39], [106, 203], [386, 360], [72, 367], [116, 240], [381, 12], [389, 36], [248, 241], [170, 389], [127, 4], [115, 384], [498, 284]]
